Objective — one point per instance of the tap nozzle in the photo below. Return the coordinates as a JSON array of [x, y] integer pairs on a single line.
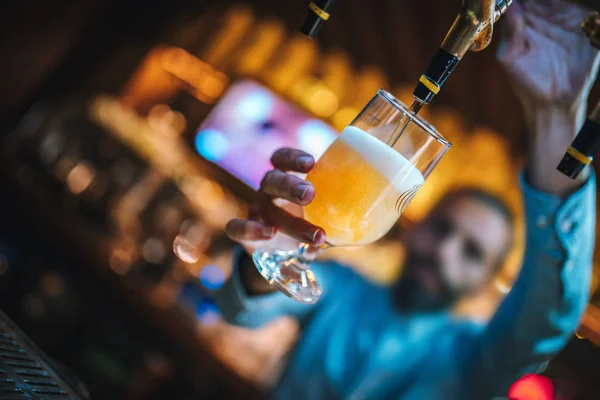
[[472, 30]]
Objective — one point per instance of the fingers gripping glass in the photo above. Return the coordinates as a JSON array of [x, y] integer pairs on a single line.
[[363, 183]]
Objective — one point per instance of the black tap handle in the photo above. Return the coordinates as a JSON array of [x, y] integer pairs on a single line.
[[441, 66], [582, 150], [318, 12]]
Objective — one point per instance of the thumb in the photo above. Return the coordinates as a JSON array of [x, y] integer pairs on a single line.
[[513, 41]]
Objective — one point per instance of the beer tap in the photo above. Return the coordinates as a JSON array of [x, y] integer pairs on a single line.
[[587, 142], [318, 12], [472, 30]]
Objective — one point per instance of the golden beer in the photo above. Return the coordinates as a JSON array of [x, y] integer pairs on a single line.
[[361, 188]]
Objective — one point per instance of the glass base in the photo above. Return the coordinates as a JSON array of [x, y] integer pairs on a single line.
[[289, 274]]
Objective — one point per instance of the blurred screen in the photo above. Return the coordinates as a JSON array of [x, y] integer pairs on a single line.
[[249, 124]]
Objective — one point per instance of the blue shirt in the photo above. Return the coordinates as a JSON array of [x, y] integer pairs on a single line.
[[354, 345]]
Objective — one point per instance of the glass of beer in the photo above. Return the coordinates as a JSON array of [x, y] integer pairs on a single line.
[[363, 183]]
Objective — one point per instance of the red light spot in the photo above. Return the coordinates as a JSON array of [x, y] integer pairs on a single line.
[[532, 387]]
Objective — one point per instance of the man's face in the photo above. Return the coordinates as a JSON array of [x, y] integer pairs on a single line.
[[453, 252]]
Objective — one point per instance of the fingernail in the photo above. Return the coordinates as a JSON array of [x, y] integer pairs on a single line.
[[304, 162], [318, 237], [268, 231], [301, 191]]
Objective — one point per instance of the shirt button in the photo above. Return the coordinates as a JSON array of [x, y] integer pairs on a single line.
[[541, 221], [566, 226]]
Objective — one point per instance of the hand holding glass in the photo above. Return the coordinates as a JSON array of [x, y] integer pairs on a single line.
[[363, 183]]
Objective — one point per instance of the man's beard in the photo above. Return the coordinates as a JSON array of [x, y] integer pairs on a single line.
[[410, 295]]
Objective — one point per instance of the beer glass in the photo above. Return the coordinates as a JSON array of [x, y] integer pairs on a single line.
[[363, 182]]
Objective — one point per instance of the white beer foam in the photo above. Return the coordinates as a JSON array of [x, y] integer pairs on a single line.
[[391, 164]]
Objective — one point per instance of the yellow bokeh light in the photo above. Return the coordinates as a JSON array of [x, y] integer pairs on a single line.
[[343, 117], [80, 177], [323, 102]]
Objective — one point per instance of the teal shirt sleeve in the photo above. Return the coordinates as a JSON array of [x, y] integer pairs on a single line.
[[239, 308], [546, 303]]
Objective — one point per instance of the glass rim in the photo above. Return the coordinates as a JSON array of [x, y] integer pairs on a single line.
[[424, 125]]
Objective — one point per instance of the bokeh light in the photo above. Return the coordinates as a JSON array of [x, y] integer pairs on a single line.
[[153, 251], [212, 277], [207, 313], [323, 102], [343, 117], [212, 86], [255, 107], [212, 144], [80, 177], [212, 195], [315, 136], [185, 250], [532, 387]]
